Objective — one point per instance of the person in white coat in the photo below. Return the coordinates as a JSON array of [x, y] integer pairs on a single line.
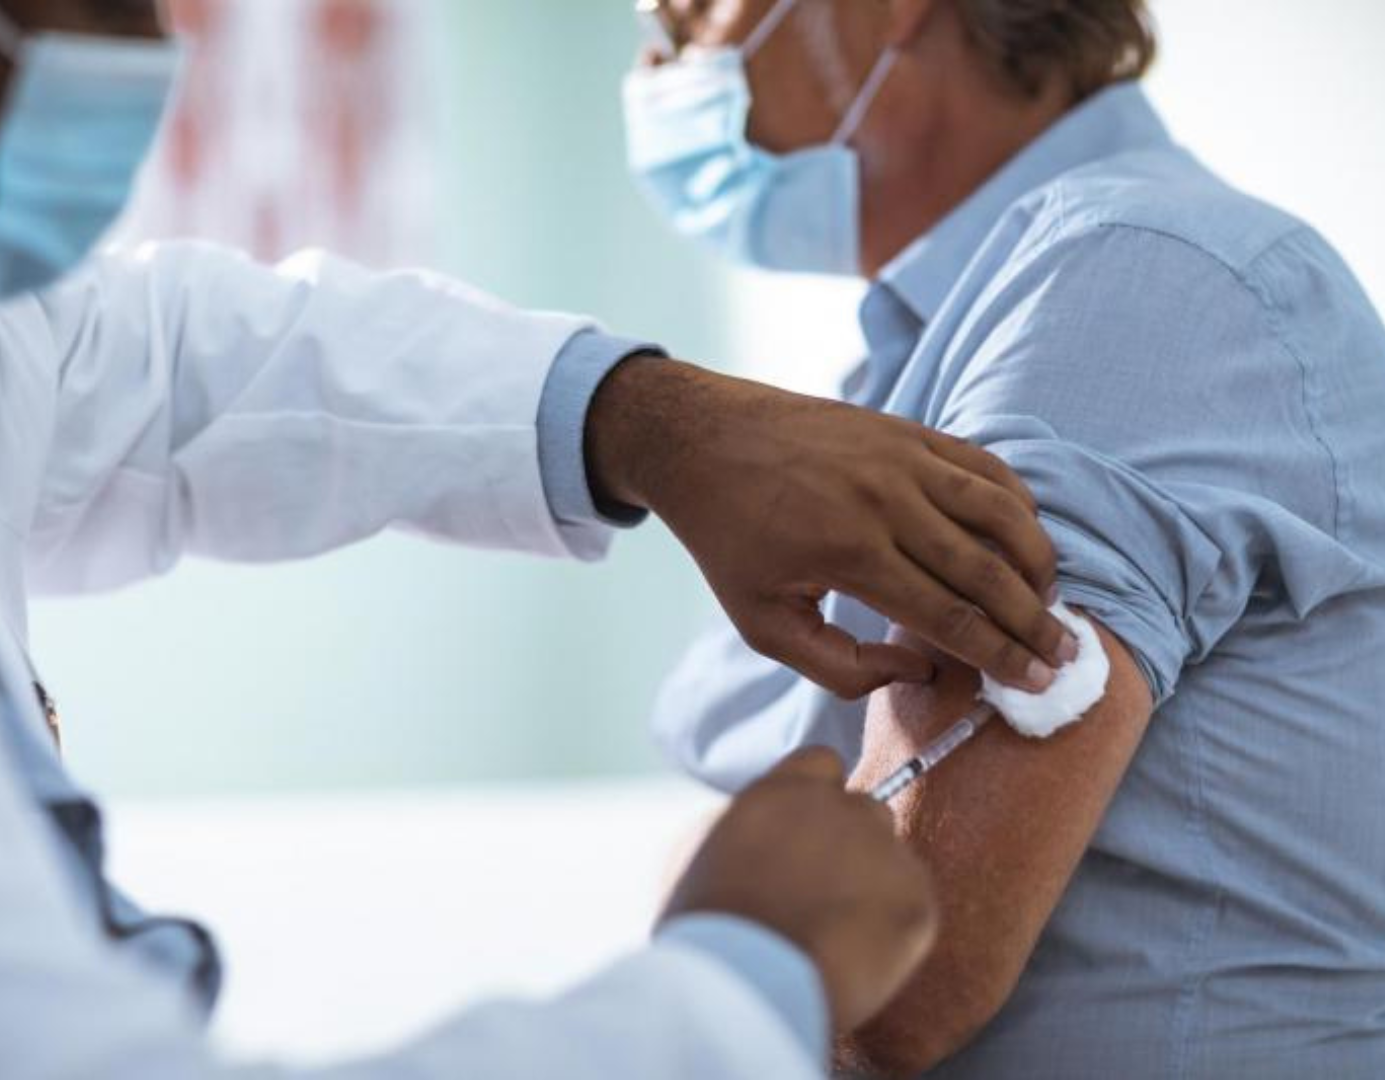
[[181, 399]]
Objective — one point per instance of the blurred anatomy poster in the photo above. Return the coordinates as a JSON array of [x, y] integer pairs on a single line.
[[300, 123]]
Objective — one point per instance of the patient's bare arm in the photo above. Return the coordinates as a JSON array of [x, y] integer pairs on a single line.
[[1003, 825]]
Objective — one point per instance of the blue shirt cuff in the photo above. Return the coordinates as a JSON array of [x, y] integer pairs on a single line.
[[775, 968], [577, 373]]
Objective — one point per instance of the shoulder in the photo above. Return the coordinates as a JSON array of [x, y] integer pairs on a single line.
[[1153, 242], [1147, 306], [1151, 255], [1163, 194], [1129, 291], [1145, 253]]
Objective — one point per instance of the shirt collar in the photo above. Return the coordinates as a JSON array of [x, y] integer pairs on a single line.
[[1117, 120]]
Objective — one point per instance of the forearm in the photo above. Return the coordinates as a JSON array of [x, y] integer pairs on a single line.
[[653, 418], [1003, 825]]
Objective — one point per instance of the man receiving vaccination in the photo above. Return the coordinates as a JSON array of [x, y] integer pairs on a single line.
[[1188, 882]]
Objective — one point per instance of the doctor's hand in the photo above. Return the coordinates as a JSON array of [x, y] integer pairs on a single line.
[[783, 498], [821, 867]]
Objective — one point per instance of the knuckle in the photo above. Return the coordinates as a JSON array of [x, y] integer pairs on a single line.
[[1007, 508], [943, 554], [961, 484], [992, 574], [872, 493], [993, 468], [964, 449], [957, 620]]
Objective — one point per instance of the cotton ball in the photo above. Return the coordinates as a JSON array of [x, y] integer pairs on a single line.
[[1077, 688]]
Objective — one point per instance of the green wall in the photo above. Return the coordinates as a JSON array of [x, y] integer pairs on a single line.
[[402, 662]]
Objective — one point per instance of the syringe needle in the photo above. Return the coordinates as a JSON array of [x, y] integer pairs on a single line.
[[933, 754]]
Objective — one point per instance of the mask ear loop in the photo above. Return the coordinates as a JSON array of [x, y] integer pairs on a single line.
[[768, 25], [870, 90]]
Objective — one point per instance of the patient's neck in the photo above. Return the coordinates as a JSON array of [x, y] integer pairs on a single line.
[[914, 176]]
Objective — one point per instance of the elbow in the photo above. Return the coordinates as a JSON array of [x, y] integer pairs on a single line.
[[925, 1026]]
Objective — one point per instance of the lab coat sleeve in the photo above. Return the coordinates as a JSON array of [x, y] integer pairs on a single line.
[[205, 404], [779, 970], [671, 1012], [70, 1006]]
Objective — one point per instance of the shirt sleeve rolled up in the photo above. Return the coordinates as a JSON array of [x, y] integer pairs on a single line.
[[1138, 386]]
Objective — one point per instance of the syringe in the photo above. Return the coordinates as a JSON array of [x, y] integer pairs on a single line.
[[933, 754]]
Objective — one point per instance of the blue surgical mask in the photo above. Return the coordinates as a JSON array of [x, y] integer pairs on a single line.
[[80, 119], [688, 148]]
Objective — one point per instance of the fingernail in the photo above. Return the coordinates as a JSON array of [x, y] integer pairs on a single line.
[[1068, 649], [1053, 595], [1039, 676]]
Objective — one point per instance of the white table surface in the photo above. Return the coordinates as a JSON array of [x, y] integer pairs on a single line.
[[349, 922]]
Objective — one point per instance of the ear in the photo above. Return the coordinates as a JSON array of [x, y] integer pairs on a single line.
[[907, 21]]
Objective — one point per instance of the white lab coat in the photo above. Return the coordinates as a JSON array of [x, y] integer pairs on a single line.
[[183, 400]]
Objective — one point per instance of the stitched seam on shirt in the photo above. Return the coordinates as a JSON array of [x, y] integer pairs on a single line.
[[1274, 317], [1275, 326], [1314, 426], [1185, 1008]]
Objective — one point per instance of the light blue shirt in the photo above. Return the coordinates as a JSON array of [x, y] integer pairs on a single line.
[[1193, 384]]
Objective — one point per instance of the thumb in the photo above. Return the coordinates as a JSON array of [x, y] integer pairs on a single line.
[[795, 633]]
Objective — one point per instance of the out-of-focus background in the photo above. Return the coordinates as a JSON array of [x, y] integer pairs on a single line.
[[375, 771]]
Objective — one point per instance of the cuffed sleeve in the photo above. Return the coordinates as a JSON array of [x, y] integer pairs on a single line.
[[1163, 529], [774, 967], [1139, 557], [577, 373]]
